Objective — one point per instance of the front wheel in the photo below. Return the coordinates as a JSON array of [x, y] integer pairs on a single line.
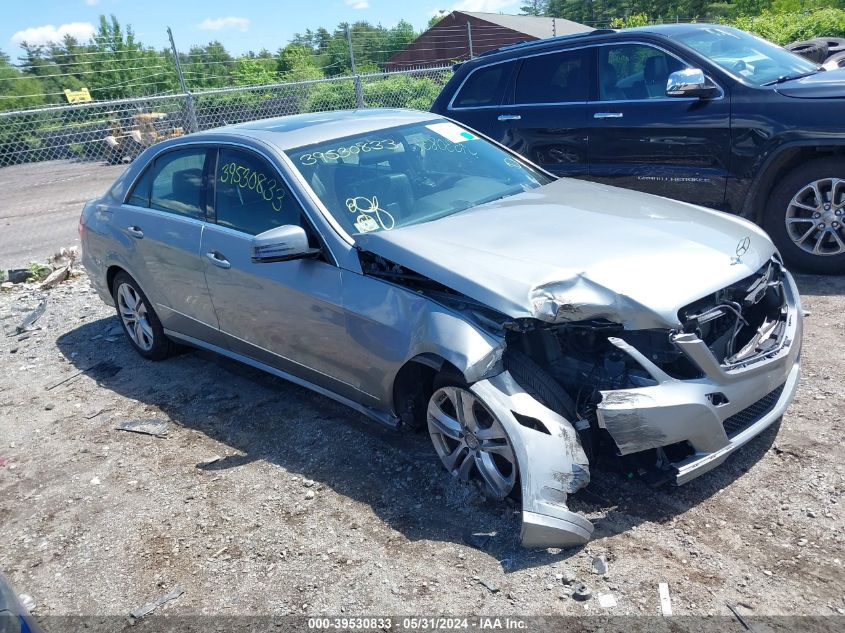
[[805, 216], [470, 440]]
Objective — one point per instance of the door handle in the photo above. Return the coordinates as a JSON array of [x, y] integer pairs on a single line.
[[509, 117], [218, 259], [135, 232], [608, 115]]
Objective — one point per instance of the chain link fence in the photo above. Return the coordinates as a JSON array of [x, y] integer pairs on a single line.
[[117, 131]]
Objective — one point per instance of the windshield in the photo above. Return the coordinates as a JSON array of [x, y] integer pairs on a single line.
[[400, 176], [752, 58]]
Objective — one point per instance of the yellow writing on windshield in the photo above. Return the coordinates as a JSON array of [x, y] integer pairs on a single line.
[[248, 178]]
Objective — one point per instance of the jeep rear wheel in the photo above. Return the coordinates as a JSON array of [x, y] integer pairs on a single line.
[[805, 216]]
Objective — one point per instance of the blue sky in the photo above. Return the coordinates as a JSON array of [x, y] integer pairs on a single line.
[[241, 25]]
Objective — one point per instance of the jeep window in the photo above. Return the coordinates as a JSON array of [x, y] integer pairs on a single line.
[[634, 71], [755, 60], [410, 174], [554, 78], [484, 86]]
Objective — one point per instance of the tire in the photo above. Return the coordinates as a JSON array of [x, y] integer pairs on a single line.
[[791, 213], [834, 44], [132, 306], [469, 439], [539, 384], [835, 61], [814, 50]]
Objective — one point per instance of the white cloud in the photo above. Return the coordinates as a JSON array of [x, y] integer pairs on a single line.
[[92, 3], [82, 31], [218, 24], [485, 6], [358, 4]]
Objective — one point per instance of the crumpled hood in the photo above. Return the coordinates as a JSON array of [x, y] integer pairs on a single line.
[[575, 250], [828, 84]]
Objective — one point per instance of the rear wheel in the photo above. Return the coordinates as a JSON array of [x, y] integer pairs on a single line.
[[140, 322], [805, 216]]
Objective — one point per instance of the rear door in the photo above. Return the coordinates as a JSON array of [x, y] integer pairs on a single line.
[[642, 139], [288, 315], [161, 224], [546, 119], [477, 100]]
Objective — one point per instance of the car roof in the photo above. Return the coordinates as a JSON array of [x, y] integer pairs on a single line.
[[298, 130], [666, 30]]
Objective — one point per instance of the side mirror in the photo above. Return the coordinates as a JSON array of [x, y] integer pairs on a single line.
[[689, 82], [282, 244]]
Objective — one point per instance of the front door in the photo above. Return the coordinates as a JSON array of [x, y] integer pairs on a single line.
[[546, 120], [288, 315], [642, 139]]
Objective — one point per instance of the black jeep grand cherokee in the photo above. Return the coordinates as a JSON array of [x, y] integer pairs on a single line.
[[702, 113]]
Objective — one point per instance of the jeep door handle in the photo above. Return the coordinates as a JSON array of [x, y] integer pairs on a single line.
[[608, 115], [510, 117], [135, 232], [218, 259]]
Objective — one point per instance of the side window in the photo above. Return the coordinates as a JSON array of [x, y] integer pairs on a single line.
[[634, 71], [484, 87], [554, 78], [140, 195], [251, 196], [177, 183]]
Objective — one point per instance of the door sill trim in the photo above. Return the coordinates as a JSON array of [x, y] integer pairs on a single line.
[[385, 419]]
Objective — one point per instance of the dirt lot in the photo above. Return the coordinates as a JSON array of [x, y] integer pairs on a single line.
[[313, 510], [41, 204]]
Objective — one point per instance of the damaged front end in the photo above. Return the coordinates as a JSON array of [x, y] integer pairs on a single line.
[[681, 400], [672, 401]]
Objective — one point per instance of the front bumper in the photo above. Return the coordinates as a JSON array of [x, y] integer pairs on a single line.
[[715, 414]]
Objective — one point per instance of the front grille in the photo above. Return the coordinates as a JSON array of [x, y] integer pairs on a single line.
[[741, 420]]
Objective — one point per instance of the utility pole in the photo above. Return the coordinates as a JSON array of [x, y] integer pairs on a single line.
[[189, 98], [469, 40], [359, 89]]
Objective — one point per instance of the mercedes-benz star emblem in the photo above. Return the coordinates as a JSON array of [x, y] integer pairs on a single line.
[[741, 249]]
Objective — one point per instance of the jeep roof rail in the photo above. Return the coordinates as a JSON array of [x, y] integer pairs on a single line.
[[545, 40]]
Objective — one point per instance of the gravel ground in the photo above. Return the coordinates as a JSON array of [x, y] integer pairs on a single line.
[[264, 498], [32, 227]]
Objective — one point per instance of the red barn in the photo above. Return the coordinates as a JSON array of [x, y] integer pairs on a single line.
[[465, 34]]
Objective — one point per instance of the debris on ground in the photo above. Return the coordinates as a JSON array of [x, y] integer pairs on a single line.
[[145, 610], [607, 600], [209, 461], [582, 592], [27, 601], [665, 599], [28, 324], [738, 616], [151, 426], [599, 565], [478, 540], [18, 275], [490, 586], [56, 277]]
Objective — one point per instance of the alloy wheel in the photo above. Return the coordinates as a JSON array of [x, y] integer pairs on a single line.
[[815, 218], [133, 313], [470, 440]]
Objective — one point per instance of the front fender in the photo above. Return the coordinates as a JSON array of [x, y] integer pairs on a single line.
[[551, 466]]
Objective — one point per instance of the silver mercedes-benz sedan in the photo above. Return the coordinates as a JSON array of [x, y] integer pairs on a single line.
[[432, 279]]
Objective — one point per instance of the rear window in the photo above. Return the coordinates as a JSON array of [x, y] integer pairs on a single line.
[[484, 86], [554, 78], [177, 185]]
